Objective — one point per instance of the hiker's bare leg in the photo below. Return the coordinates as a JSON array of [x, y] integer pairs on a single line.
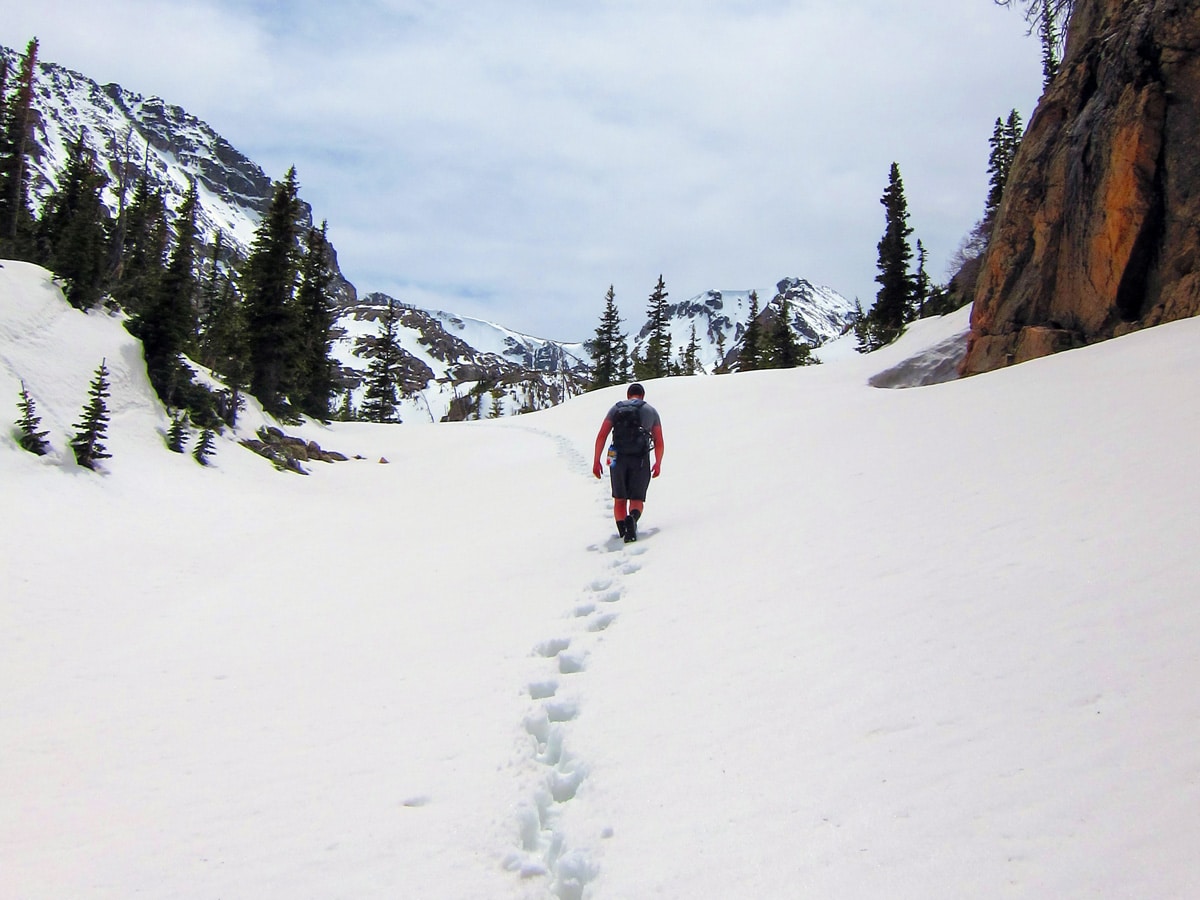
[[620, 509]]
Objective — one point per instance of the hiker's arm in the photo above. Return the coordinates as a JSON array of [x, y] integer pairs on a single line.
[[659, 447], [601, 439]]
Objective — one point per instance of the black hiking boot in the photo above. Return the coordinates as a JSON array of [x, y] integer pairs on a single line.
[[621, 527], [631, 526]]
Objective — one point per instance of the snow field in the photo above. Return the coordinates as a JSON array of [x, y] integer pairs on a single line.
[[925, 643]]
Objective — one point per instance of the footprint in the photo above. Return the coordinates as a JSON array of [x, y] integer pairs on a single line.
[[629, 568], [600, 623], [600, 584], [561, 710], [610, 597], [584, 609], [571, 662], [552, 647], [540, 690]]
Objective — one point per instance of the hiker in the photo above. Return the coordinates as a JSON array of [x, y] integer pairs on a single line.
[[636, 429]]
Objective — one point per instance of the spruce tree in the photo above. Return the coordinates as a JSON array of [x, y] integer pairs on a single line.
[[140, 246], [71, 239], [88, 442], [896, 289], [606, 348], [691, 355], [380, 399], [271, 273], [30, 438], [313, 382], [177, 434], [1049, 38], [656, 362], [167, 325], [785, 350], [204, 447], [921, 282], [16, 142], [750, 355]]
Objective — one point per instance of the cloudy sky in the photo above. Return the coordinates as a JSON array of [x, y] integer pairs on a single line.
[[511, 160]]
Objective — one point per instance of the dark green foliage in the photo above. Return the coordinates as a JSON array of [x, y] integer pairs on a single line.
[[270, 284], [689, 363], [656, 361], [1048, 32], [223, 342], [177, 434], [204, 447], [785, 350], [897, 288], [750, 357], [1005, 139], [71, 238], [140, 245], [313, 382], [16, 141], [167, 324], [88, 442], [610, 349], [380, 399], [30, 438]]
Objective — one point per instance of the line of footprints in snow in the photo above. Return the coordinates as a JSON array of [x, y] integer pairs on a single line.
[[543, 849]]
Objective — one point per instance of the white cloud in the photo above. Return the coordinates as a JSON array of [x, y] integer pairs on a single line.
[[523, 156]]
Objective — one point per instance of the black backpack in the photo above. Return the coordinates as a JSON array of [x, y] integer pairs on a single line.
[[629, 438]]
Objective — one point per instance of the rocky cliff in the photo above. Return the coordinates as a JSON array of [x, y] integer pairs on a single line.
[[1098, 233]]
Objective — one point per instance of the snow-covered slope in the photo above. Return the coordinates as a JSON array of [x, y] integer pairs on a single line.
[[925, 643]]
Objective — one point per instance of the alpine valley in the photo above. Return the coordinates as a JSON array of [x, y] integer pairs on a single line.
[[454, 367]]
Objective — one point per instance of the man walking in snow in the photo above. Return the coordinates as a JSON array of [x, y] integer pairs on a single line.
[[636, 430]]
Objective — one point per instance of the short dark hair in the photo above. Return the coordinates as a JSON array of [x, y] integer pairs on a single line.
[[635, 390]]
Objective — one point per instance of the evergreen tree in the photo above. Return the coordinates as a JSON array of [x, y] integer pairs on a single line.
[[314, 306], [607, 347], [691, 355], [896, 288], [88, 442], [656, 363], [71, 239], [750, 356], [16, 141], [380, 399], [30, 438], [921, 282], [1006, 138], [223, 343], [140, 247], [785, 350], [271, 273], [177, 434], [1049, 37], [204, 447], [167, 325]]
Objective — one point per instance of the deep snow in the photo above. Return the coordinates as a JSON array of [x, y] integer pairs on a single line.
[[938, 642]]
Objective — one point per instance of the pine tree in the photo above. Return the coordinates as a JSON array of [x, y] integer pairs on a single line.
[[88, 442], [1005, 139], [204, 447], [140, 246], [314, 306], [896, 289], [167, 325], [380, 399], [30, 438], [785, 350], [271, 273], [177, 434], [656, 363], [750, 356], [921, 282], [71, 239], [1049, 37], [691, 355], [606, 349], [223, 342], [16, 141]]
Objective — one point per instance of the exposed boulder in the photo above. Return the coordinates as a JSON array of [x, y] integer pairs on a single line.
[[1098, 232]]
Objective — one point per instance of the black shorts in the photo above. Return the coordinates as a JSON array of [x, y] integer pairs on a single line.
[[630, 477]]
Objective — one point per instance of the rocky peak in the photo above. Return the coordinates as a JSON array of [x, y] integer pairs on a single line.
[[1098, 233]]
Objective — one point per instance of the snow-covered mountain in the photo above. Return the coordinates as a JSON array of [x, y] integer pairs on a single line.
[[457, 367], [817, 314]]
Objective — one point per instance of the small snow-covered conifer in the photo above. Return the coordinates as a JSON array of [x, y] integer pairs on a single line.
[[88, 442], [31, 439], [204, 447]]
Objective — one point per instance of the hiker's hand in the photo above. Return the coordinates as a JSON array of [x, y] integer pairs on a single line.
[[656, 471], [597, 469]]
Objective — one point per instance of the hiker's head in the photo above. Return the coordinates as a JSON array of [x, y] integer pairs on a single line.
[[635, 390]]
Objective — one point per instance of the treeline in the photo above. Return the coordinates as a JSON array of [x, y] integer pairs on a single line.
[[262, 323]]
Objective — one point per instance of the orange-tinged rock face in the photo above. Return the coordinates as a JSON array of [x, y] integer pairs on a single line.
[[1097, 233]]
